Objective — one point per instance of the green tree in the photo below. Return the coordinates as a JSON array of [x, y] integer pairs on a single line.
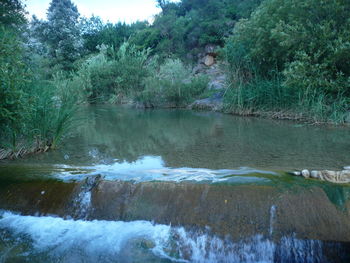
[[62, 33], [12, 82], [12, 13], [304, 44], [13, 71], [307, 40], [184, 28]]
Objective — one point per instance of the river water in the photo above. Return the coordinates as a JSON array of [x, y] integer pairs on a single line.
[[133, 185]]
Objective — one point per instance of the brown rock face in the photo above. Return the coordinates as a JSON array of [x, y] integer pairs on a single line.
[[44, 197]]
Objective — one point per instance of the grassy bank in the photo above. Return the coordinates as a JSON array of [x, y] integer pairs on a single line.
[[48, 115], [270, 98]]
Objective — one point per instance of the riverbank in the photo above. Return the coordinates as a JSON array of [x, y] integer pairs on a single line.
[[220, 95]]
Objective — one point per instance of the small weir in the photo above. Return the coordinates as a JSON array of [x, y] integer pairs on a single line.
[[134, 187], [50, 239]]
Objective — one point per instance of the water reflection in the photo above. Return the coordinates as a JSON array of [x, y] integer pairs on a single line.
[[202, 140]]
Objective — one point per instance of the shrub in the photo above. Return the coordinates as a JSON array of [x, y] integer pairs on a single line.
[[13, 80], [306, 43], [53, 107], [111, 74], [172, 85]]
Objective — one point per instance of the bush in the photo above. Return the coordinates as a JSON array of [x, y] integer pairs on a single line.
[[47, 118], [13, 80], [53, 107], [172, 85], [306, 43], [112, 74]]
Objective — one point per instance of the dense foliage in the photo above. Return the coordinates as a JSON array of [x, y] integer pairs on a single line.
[[183, 29], [305, 45], [172, 85], [290, 58], [111, 75], [34, 114]]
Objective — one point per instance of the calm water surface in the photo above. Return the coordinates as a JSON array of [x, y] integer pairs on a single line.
[[124, 137]]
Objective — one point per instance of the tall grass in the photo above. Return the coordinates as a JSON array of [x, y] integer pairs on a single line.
[[257, 95], [49, 116], [54, 105]]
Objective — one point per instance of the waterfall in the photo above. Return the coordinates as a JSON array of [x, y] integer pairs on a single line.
[[272, 218], [143, 241], [82, 202]]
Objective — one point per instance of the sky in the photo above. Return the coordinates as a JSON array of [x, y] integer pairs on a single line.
[[109, 10]]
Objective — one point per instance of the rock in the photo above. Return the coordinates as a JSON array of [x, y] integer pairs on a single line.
[[296, 173], [335, 176], [92, 181], [209, 60], [200, 68], [147, 244], [305, 173], [213, 103], [314, 174], [339, 177], [215, 85]]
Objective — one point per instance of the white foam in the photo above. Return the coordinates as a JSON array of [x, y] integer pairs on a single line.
[[106, 241], [151, 168], [91, 239]]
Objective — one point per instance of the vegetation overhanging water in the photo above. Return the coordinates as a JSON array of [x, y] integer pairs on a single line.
[[128, 185]]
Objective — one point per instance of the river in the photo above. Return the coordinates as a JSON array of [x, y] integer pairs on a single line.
[[133, 185]]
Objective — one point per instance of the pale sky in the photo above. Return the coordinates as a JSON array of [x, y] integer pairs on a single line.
[[109, 10]]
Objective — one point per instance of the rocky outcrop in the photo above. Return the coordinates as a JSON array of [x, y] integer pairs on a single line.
[[339, 177], [213, 103], [216, 84], [210, 55]]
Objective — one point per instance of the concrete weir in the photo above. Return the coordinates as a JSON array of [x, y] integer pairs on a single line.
[[235, 210]]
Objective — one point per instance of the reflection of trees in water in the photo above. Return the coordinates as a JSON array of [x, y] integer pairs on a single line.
[[128, 134], [209, 140]]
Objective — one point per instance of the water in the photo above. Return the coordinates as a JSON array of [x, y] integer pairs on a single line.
[[49, 239], [177, 186], [272, 218], [181, 138]]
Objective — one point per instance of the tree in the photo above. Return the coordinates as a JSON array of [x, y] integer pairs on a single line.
[[12, 69], [62, 33], [306, 40], [11, 13]]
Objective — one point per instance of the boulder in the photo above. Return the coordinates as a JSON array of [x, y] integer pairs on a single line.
[[209, 60], [214, 103], [305, 173], [216, 85]]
